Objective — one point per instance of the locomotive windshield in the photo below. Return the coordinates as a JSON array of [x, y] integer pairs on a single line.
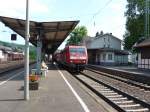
[[77, 50]]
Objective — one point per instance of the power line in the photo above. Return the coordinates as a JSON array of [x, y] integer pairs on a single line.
[[75, 16], [99, 11], [88, 14]]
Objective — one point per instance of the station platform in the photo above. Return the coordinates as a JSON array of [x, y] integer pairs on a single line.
[[58, 92]]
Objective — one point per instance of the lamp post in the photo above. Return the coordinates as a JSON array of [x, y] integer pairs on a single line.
[[26, 76]]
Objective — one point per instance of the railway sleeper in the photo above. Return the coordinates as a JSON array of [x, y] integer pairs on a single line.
[[138, 110], [106, 91], [123, 102], [113, 96], [127, 105], [120, 100], [131, 106]]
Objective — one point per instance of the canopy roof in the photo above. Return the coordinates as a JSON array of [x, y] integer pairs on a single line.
[[52, 34]]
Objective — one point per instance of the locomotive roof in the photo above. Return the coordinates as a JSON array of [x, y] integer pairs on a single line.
[[53, 33], [76, 46]]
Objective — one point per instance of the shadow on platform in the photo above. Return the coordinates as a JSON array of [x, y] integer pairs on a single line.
[[11, 100], [53, 67]]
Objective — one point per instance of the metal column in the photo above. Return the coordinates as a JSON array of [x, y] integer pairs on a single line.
[[26, 76]]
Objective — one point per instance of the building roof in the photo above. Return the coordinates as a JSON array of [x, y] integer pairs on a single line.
[[107, 34], [52, 34], [88, 40], [145, 43], [123, 52]]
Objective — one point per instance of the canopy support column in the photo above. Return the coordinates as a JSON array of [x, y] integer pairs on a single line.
[[39, 53]]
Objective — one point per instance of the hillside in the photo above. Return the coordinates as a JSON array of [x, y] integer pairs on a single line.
[[18, 47], [15, 46]]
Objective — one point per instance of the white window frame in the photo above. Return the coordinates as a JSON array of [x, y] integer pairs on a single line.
[[110, 56]]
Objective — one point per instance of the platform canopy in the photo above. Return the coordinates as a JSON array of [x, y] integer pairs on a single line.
[[52, 34]]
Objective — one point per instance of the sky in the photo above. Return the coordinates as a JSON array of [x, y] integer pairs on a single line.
[[96, 15]]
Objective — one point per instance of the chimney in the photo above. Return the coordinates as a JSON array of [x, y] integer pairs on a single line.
[[101, 33], [97, 34]]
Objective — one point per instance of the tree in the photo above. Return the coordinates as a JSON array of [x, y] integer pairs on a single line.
[[77, 35], [32, 53], [135, 22]]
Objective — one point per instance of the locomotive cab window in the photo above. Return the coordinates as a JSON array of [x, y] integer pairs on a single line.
[[77, 50]]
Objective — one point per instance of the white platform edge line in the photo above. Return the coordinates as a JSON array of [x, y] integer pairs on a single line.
[[84, 106], [10, 78]]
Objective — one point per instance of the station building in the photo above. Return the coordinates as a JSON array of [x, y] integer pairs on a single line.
[[143, 49], [4, 53], [105, 49]]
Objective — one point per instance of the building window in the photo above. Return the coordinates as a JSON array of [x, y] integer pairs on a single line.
[[104, 43], [109, 56], [104, 56], [98, 57], [104, 39], [3, 54], [109, 39]]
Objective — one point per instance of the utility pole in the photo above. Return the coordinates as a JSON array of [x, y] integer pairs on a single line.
[[26, 76], [147, 32]]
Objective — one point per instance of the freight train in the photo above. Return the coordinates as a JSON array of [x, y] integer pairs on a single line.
[[73, 57]]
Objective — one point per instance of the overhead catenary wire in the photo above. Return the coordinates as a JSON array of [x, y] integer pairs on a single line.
[[101, 9], [90, 14], [98, 12]]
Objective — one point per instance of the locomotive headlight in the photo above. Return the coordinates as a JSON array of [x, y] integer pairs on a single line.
[[71, 61]]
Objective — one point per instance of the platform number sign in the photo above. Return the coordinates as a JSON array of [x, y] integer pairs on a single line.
[[13, 36]]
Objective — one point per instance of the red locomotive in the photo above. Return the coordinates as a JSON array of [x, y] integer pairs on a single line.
[[72, 57]]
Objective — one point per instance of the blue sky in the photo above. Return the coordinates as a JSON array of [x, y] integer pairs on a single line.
[[96, 15]]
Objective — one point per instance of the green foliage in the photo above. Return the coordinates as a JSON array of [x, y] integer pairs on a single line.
[[135, 23], [32, 53], [77, 35]]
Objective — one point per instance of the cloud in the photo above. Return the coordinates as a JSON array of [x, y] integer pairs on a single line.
[[116, 7], [17, 8]]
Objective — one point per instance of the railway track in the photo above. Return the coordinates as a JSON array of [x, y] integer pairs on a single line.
[[133, 89], [120, 100], [140, 85], [13, 67], [133, 76]]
